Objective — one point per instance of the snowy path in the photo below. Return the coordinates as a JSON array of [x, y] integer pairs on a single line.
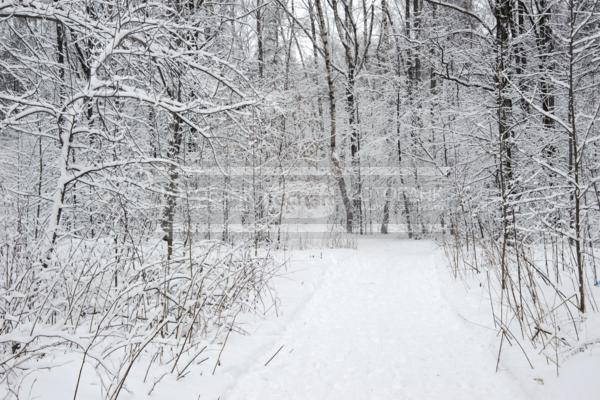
[[379, 328]]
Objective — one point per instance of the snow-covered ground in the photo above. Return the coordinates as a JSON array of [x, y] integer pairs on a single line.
[[388, 322], [384, 321], [379, 328]]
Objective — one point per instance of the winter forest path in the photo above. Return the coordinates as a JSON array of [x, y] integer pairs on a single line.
[[378, 327]]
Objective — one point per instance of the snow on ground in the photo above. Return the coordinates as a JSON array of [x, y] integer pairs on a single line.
[[378, 327], [384, 322], [577, 377]]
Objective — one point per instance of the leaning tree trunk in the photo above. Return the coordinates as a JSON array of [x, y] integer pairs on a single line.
[[351, 50], [336, 166]]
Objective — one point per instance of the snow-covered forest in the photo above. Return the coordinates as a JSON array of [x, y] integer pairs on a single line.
[[308, 199]]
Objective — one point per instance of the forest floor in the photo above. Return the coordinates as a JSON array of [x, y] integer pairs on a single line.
[[385, 321], [388, 322], [380, 327]]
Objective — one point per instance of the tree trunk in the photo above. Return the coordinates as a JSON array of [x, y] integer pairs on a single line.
[[336, 166]]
